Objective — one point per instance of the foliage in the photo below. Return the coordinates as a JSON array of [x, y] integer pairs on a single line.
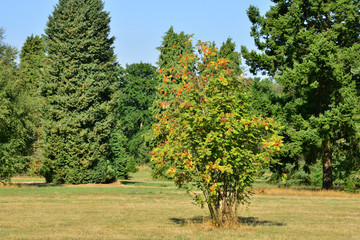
[[16, 123], [298, 174], [79, 94], [227, 50], [123, 162], [265, 98], [207, 141], [32, 59], [310, 48], [137, 87], [173, 46]]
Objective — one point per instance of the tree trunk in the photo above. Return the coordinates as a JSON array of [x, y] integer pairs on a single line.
[[327, 166]]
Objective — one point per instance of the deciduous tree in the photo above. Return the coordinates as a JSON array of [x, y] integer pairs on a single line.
[[16, 122], [32, 60], [206, 140], [138, 88]]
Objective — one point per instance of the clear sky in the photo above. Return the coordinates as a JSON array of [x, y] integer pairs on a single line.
[[138, 25]]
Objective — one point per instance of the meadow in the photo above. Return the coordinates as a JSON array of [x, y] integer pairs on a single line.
[[142, 208]]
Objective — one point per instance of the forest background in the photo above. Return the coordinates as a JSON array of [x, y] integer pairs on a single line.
[[329, 127]]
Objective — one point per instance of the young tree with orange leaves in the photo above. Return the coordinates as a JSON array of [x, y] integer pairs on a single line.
[[206, 140]]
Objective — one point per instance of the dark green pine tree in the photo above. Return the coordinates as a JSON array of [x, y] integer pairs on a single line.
[[228, 50], [79, 94], [172, 46], [312, 49], [32, 59], [16, 122]]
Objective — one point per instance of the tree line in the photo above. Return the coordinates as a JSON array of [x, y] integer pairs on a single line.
[[71, 113]]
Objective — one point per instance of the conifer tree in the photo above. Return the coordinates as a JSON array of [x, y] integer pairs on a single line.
[[228, 50], [79, 94], [32, 59], [172, 46], [311, 48]]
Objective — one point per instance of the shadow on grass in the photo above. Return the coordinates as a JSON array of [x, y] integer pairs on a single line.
[[147, 184], [252, 221], [184, 221], [22, 185], [249, 221], [129, 182]]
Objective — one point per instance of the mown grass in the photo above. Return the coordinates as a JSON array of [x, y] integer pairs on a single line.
[[142, 208], [26, 179]]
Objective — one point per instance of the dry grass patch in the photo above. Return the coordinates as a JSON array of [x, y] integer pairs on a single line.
[[288, 192], [131, 211]]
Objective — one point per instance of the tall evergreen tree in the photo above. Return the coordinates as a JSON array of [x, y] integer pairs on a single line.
[[16, 128], [79, 92], [172, 48], [311, 48], [228, 50], [173, 45], [32, 59]]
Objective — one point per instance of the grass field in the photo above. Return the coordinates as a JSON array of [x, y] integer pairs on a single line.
[[142, 208]]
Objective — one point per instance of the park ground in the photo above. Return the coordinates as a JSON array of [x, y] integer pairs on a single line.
[[143, 208]]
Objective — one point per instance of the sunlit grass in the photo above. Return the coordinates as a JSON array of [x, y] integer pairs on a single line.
[[25, 179], [142, 208]]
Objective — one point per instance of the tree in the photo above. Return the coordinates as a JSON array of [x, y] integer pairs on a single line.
[[206, 140], [16, 128], [227, 50], [138, 88], [32, 59], [265, 98], [79, 94], [172, 47], [311, 47]]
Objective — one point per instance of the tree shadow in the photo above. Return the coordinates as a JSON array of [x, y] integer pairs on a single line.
[[32, 184], [248, 221], [127, 182], [185, 221], [252, 221]]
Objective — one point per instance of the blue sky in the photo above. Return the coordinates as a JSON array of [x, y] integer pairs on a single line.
[[139, 25]]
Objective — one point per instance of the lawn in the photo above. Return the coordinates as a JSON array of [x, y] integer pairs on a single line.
[[142, 208]]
